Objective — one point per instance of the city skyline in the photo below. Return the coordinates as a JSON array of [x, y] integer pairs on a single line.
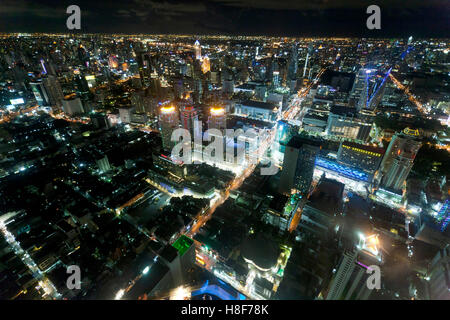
[[285, 18], [251, 169]]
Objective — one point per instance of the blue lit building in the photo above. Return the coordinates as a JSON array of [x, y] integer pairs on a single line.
[[341, 169]]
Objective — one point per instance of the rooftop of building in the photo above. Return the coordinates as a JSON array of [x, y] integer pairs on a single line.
[[343, 111], [363, 147], [258, 104], [298, 141], [182, 244], [147, 282], [327, 197], [260, 250]]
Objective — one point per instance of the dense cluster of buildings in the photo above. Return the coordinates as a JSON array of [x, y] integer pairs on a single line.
[[89, 177]]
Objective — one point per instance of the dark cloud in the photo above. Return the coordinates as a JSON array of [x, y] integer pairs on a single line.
[[271, 17]]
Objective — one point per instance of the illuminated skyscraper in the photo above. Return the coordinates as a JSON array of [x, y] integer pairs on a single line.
[[399, 158], [284, 133], [113, 62], [137, 101], [103, 163], [54, 91], [168, 121], [40, 93], [198, 50], [206, 65], [217, 118], [145, 68], [188, 116], [366, 158], [276, 79], [293, 63], [350, 280], [310, 50], [369, 88]]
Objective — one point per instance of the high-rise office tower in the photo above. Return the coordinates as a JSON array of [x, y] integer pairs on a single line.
[[344, 122], [126, 114], [276, 79], [399, 158], [40, 93], [439, 275], [188, 116], [217, 118], [293, 63], [206, 64], [168, 121], [359, 90], [366, 158], [298, 165], [368, 88], [54, 91], [72, 105], [228, 86], [350, 279], [113, 62], [103, 163], [137, 101], [178, 87], [144, 65], [308, 54], [198, 50]]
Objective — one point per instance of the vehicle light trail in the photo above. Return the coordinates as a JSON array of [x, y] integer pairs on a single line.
[[411, 97]]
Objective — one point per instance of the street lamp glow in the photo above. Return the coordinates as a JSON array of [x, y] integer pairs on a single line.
[[146, 269]]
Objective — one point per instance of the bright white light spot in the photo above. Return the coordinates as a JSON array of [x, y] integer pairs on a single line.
[[119, 294], [180, 293]]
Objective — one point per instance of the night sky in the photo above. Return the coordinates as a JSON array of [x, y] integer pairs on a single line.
[[419, 18]]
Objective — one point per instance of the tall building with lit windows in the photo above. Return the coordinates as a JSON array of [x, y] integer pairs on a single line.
[[438, 284], [293, 63], [198, 50], [168, 121], [369, 87], [343, 122], [138, 102], [188, 116], [366, 158], [276, 79], [40, 93], [355, 266], [206, 64], [399, 158], [217, 118], [54, 91]]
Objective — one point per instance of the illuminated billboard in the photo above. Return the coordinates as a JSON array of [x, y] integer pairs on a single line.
[[17, 101]]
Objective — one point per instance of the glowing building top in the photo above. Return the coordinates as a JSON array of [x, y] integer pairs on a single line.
[[167, 109], [370, 245], [198, 50], [217, 111], [206, 65]]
